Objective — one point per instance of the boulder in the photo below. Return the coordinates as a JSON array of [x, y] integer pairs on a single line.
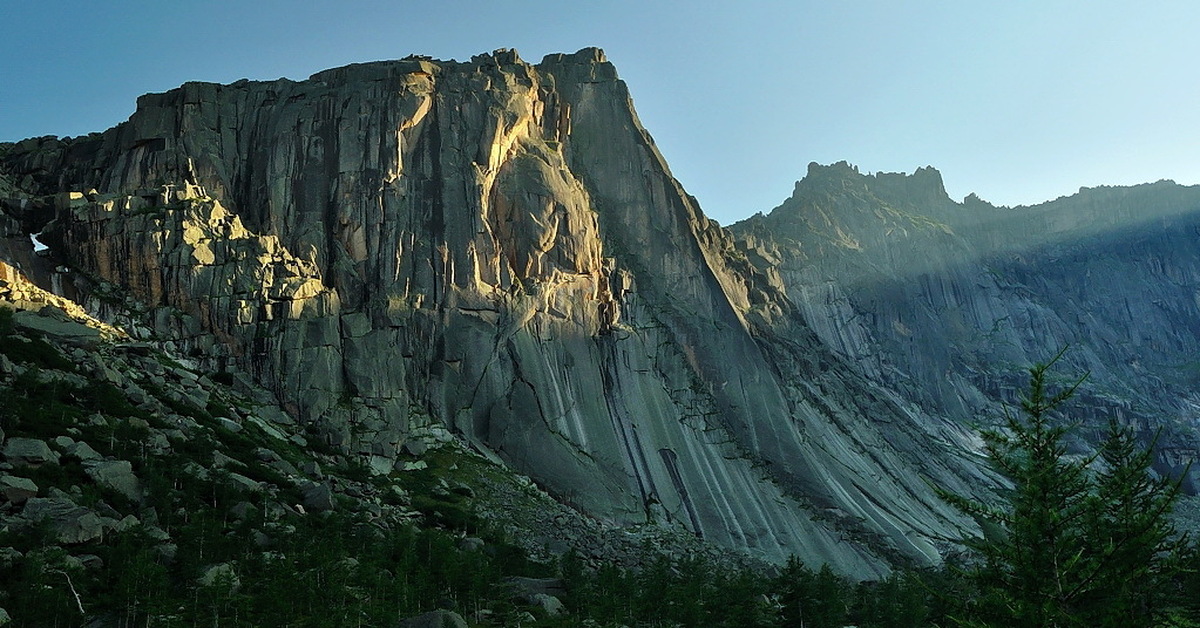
[[318, 496], [434, 619], [531, 586], [552, 605], [218, 575], [471, 544], [116, 475], [540, 592], [70, 523], [17, 489], [83, 451], [52, 321], [28, 452]]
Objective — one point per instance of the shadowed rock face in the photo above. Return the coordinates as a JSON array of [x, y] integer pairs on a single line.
[[945, 303], [499, 247]]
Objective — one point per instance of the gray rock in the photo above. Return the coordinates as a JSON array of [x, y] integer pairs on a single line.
[[520, 267], [318, 496], [220, 574], [128, 522], [525, 587], [116, 475], [221, 461], [434, 619], [70, 523], [83, 451], [29, 452], [252, 485], [284, 467], [54, 322], [229, 424], [552, 605], [242, 510], [5, 618], [312, 469], [17, 489], [89, 561], [416, 447], [156, 533], [471, 544]]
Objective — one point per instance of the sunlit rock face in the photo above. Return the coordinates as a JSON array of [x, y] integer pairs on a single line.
[[498, 246], [946, 303]]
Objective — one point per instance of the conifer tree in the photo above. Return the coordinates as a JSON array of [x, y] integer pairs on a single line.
[[1067, 545]]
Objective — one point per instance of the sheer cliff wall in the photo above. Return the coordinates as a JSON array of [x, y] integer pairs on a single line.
[[499, 247]]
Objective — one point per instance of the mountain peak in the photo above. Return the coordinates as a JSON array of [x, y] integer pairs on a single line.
[[923, 186]]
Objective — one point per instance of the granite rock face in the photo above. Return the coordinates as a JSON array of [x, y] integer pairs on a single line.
[[945, 303], [498, 248]]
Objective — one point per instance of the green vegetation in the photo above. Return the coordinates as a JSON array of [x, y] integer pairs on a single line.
[[1074, 542]]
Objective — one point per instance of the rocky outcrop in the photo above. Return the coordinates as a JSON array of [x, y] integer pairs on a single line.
[[946, 303], [498, 248]]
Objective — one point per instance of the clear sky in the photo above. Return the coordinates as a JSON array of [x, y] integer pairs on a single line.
[[1018, 101]]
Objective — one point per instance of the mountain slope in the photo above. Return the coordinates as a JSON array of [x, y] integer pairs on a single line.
[[495, 247], [945, 303]]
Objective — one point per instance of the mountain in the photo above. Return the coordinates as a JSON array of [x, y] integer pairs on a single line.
[[498, 248], [944, 303], [494, 252]]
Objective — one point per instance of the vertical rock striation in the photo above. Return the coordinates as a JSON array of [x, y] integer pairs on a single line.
[[946, 303], [498, 247]]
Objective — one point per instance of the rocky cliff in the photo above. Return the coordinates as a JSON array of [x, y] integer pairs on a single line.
[[944, 302], [495, 247]]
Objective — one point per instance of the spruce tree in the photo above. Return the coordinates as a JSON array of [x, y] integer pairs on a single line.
[[1068, 545]]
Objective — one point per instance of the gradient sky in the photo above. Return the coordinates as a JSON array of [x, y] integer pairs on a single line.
[[1019, 102]]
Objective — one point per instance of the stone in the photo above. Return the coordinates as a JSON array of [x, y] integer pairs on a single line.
[[242, 510], [71, 524], [434, 619], [83, 452], [284, 467], [116, 475], [127, 523], [5, 618], [17, 489], [525, 587], [318, 496], [220, 574], [500, 255], [52, 321], [381, 465], [548, 603], [221, 461], [28, 452], [229, 424], [415, 447], [471, 544], [250, 484], [90, 561], [312, 469]]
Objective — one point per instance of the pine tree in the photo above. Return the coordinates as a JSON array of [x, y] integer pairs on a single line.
[[1068, 546], [1133, 540]]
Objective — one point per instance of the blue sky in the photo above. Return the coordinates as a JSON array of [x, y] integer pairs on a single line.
[[1017, 101]]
